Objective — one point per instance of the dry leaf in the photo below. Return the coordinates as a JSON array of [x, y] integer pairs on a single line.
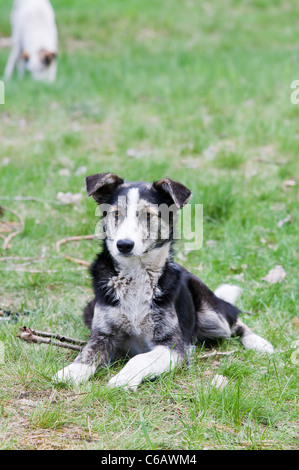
[[211, 242], [69, 198], [276, 274], [287, 183], [135, 153], [239, 277], [64, 172], [81, 170], [295, 322], [286, 220], [199, 267], [5, 161], [219, 381]]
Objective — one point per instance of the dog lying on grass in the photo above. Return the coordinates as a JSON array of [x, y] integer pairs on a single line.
[[35, 40], [146, 305]]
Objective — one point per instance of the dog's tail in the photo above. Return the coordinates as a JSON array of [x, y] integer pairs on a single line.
[[228, 292]]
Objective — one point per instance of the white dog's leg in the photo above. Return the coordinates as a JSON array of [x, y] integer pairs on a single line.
[[96, 353], [11, 62], [51, 76], [160, 359], [21, 68], [75, 373]]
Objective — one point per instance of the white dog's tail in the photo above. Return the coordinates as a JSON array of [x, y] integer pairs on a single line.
[[228, 292]]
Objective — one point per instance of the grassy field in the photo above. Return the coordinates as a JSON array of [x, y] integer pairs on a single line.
[[198, 92]]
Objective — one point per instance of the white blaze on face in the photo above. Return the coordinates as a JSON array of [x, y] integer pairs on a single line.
[[128, 227], [133, 219]]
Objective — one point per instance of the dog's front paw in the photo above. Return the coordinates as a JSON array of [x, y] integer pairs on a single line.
[[74, 373], [126, 379]]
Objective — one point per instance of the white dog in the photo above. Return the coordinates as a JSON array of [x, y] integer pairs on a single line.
[[35, 40]]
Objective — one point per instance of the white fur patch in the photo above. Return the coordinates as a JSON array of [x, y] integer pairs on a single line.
[[150, 364], [135, 286], [128, 227], [228, 292], [212, 325], [75, 373], [252, 341]]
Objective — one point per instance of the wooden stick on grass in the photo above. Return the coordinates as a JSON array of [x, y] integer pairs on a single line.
[[19, 228], [72, 239], [32, 336]]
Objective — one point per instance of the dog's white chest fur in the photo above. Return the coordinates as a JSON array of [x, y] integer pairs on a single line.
[[135, 286], [135, 292]]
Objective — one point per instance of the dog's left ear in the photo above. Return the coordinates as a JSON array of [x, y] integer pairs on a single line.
[[25, 56], [102, 185], [177, 191], [47, 57]]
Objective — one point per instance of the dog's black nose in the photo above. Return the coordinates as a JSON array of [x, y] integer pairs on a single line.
[[125, 246]]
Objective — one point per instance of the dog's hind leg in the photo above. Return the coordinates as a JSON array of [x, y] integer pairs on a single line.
[[251, 340], [217, 317]]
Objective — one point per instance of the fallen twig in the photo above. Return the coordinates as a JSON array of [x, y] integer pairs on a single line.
[[32, 336], [12, 234], [217, 353], [30, 198], [20, 269], [31, 259], [72, 239], [270, 162]]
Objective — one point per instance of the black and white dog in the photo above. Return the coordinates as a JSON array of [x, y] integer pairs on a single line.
[[146, 305]]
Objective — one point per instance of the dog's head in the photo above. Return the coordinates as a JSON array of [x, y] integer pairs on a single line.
[[137, 216], [38, 61]]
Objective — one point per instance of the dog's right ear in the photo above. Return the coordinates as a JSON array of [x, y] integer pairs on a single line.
[[25, 56], [178, 193], [102, 185]]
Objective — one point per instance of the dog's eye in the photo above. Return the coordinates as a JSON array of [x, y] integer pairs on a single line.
[[148, 215], [116, 215]]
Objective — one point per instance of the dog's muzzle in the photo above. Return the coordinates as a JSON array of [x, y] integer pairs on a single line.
[[125, 246]]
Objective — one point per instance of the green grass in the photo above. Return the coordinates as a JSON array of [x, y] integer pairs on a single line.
[[198, 93]]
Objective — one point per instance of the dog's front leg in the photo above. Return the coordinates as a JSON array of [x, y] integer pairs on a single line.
[[11, 62], [155, 362], [96, 353]]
